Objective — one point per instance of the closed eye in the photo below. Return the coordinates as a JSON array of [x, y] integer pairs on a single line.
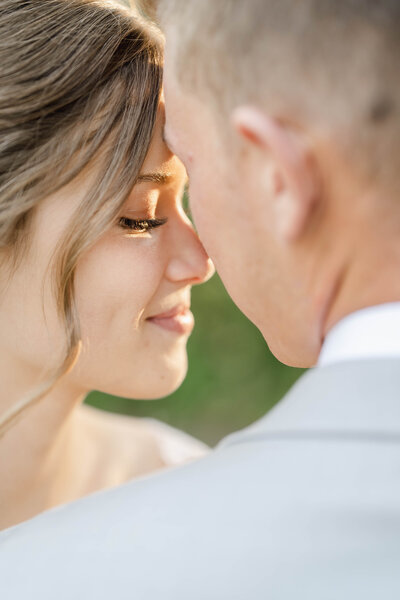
[[141, 225]]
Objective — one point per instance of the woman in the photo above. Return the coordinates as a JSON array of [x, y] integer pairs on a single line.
[[97, 256]]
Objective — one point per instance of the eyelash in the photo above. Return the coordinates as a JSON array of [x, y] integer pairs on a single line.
[[140, 225]]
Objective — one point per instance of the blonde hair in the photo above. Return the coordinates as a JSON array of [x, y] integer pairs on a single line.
[[79, 81], [331, 63]]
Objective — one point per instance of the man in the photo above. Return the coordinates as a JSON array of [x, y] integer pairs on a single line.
[[285, 115]]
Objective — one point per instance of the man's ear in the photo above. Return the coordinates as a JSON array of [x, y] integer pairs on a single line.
[[290, 179]]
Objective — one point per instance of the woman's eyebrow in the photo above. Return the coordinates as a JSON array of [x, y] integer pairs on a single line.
[[159, 177]]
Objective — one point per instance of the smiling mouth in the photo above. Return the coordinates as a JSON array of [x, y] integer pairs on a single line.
[[178, 320]]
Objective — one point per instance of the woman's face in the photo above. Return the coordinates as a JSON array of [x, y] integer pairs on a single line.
[[132, 287]]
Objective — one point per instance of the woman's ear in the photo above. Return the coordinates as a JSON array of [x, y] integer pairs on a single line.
[[290, 180]]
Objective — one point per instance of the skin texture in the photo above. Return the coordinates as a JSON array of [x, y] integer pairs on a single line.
[[121, 281], [298, 235]]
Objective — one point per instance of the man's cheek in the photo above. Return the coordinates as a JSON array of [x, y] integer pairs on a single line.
[[199, 214]]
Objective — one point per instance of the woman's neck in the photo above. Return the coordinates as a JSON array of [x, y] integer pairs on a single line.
[[35, 452]]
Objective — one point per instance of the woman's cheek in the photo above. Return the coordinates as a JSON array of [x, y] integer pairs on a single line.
[[118, 274]]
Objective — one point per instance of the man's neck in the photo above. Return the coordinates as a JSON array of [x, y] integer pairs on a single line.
[[370, 281]]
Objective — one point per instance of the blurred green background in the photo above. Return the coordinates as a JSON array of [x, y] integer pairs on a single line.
[[233, 378]]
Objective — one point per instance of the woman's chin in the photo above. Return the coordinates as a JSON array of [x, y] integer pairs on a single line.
[[164, 380], [148, 386], [158, 390]]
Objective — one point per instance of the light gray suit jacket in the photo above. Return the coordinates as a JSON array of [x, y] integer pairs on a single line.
[[303, 505]]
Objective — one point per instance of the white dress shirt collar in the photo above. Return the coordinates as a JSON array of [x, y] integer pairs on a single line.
[[373, 332]]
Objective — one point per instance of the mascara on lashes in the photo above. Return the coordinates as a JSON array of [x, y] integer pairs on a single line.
[[141, 225]]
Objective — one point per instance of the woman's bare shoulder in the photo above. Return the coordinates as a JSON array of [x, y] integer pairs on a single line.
[[136, 446], [175, 446]]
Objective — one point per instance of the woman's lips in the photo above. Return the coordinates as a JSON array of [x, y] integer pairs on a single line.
[[179, 319]]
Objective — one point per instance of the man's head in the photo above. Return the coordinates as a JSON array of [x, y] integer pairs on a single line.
[[285, 115]]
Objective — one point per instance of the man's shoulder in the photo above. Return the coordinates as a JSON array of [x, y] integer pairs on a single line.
[[306, 500], [354, 397], [231, 525]]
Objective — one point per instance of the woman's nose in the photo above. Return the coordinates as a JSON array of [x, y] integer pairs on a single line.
[[189, 262]]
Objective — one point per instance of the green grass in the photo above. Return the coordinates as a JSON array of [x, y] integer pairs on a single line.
[[233, 378]]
